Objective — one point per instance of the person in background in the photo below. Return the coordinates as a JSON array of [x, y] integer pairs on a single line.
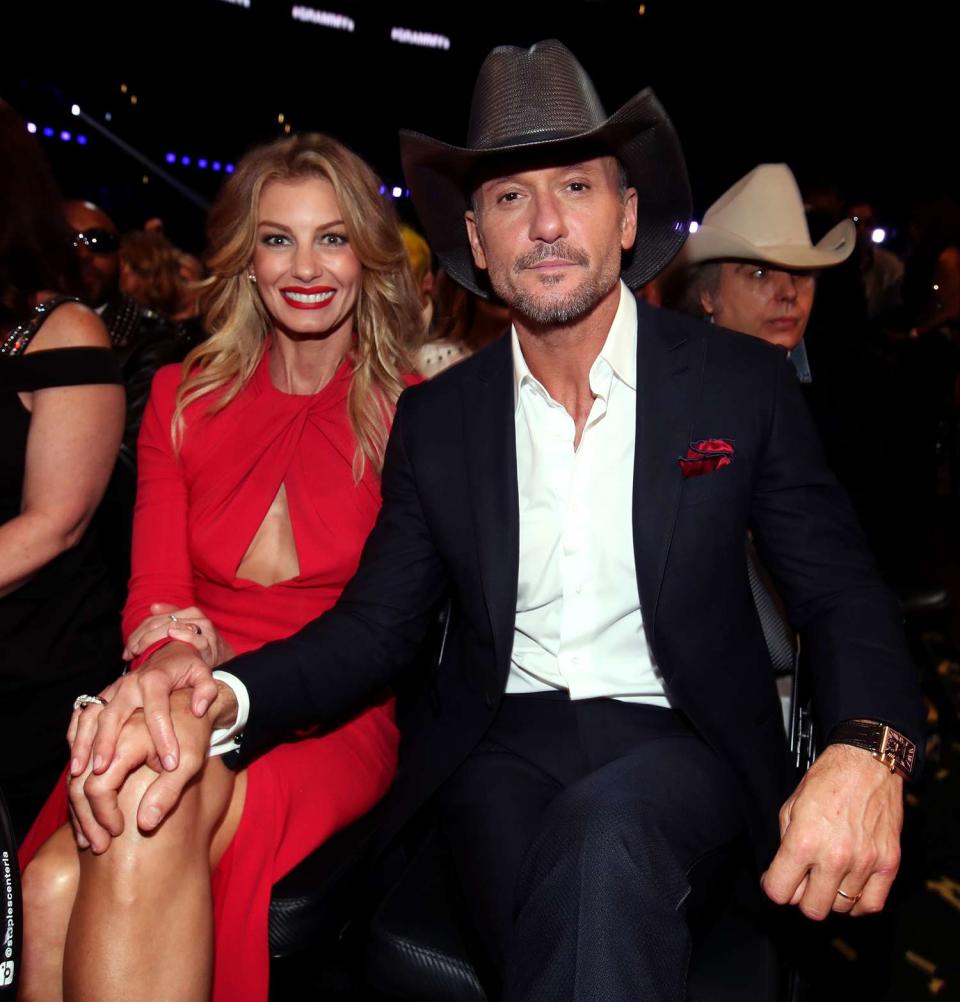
[[421, 263], [61, 409], [143, 339], [751, 267], [881, 270], [463, 323], [150, 271]]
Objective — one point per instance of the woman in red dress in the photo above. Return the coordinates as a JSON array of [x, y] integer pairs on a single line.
[[258, 468]]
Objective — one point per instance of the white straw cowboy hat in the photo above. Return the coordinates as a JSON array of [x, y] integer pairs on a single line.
[[540, 102], [761, 218]]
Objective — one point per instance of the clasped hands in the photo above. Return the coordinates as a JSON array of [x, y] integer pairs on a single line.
[[160, 715], [839, 830]]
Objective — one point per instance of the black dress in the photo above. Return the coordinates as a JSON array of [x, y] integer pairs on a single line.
[[60, 631]]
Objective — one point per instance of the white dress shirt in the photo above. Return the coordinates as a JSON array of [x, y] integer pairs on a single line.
[[578, 625]]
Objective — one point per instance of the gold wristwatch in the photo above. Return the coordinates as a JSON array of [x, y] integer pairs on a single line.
[[887, 745]]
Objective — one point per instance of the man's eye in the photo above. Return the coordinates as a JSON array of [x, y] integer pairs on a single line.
[[577, 186], [758, 273], [509, 196]]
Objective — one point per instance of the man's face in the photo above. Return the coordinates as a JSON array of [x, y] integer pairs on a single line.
[[551, 238], [762, 300], [98, 253]]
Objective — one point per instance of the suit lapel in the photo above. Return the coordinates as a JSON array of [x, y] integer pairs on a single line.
[[669, 374], [492, 464]]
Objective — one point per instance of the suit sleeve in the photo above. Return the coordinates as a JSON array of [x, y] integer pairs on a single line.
[[337, 663], [850, 625]]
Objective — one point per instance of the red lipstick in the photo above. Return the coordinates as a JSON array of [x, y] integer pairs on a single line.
[[316, 297]]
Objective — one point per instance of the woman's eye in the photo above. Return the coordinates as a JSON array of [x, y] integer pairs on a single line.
[[274, 240], [334, 239]]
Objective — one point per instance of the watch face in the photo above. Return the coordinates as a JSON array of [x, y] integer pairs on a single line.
[[899, 748]]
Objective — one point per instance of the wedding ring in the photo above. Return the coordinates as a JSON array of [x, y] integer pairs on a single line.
[[174, 618], [849, 897], [81, 701]]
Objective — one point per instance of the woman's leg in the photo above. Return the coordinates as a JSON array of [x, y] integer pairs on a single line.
[[142, 925], [49, 889]]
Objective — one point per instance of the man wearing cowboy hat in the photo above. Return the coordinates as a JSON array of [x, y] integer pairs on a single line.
[[751, 263], [603, 719]]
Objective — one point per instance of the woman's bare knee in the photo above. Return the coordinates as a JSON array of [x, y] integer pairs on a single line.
[[185, 833], [49, 891], [50, 879]]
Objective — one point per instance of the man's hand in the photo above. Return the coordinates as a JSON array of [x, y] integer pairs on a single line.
[[176, 666], [840, 830], [94, 799]]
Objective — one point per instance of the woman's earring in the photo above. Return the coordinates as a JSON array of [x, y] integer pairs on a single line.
[[252, 277]]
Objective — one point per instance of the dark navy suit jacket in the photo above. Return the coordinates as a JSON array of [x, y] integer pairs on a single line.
[[449, 526]]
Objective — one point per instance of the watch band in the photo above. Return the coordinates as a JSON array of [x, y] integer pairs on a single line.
[[887, 745]]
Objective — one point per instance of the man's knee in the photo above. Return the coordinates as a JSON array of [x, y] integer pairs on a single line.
[[595, 817], [600, 828]]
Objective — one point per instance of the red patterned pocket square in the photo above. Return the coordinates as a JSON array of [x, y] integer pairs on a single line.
[[706, 456]]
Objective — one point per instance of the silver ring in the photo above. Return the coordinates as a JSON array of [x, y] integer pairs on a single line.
[[81, 701], [849, 897], [174, 618]]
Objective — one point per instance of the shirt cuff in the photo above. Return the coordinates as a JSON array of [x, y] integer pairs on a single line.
[[227, 739]]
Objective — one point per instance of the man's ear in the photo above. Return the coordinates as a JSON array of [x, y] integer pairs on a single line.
[[707, 302], [473, 235], [628, 233]]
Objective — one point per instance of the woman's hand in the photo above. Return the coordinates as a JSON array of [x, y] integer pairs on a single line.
[[189, 626]]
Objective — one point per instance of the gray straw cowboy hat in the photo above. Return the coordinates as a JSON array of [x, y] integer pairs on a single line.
[[540, 101], [761, 218]]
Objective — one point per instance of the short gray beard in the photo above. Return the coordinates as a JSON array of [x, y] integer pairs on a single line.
[[563, 311], [576, 304]]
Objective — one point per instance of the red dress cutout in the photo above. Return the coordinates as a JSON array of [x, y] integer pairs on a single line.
[[196, 516]]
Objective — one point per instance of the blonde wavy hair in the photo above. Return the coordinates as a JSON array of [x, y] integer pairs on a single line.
[[387, 317]]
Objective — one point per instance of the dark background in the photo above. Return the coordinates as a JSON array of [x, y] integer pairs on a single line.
[[854, 91]]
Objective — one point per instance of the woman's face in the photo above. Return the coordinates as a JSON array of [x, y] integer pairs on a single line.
[[307, 273], [762, 300]]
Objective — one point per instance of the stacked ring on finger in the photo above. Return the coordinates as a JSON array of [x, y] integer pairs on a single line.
[[81, 701], [849, 897], [195, 627]]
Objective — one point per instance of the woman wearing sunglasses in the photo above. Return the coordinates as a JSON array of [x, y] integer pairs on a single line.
[[259, 480], [61, 414]]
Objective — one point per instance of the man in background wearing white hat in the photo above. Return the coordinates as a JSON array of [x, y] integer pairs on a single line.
[[752, 266]]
